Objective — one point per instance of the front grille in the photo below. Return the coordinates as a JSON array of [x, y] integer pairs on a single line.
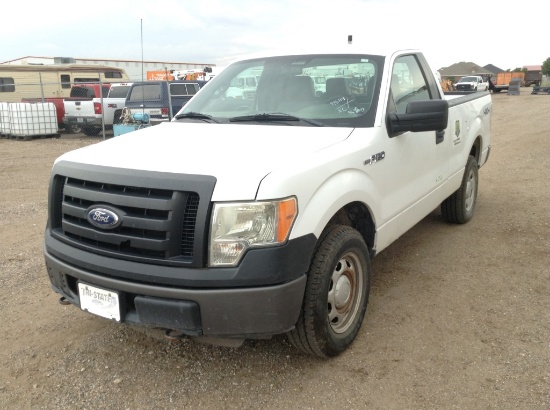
[[157, 224]]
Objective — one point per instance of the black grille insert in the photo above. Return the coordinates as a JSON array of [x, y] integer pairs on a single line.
[[157, 224]]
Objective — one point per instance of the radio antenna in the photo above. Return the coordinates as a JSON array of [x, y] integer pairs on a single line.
[[142, 64], [141, 33]]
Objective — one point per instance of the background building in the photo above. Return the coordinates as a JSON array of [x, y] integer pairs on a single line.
[[463, 69], [136, 70]]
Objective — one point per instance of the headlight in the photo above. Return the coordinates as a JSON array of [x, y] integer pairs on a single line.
[[236, 227]]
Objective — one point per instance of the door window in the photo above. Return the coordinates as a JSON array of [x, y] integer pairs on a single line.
[[407, 83]]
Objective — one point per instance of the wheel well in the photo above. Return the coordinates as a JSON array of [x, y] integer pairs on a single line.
[[356, 215], [475, 151]]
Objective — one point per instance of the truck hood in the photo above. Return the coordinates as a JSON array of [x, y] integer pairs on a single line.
[[239, 156]]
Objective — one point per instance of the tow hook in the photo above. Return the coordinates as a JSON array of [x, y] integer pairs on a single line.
[[172, 334], [63, 301]]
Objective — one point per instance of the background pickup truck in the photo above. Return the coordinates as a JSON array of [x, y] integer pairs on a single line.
[[243, 218], [88, 116], [472, 83]]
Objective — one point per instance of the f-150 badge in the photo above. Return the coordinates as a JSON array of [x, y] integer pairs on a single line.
[[375, 158]]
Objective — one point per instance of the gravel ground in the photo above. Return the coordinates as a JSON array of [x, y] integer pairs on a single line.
[[458, 316]]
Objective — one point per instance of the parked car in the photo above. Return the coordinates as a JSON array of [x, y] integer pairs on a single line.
[[161, 99], [472, 83], [90, 116]]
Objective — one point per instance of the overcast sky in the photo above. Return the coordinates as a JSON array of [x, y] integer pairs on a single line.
[[215, 31]]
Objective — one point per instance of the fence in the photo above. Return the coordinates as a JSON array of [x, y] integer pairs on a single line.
[[80, 107], [26, 99]]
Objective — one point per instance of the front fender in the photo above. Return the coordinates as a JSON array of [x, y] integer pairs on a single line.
[[340, 189]]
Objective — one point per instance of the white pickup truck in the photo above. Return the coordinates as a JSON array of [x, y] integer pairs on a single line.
[[89, 116], [472, 83], [246, 218]]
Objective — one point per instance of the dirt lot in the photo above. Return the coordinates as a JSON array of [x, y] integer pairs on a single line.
[[458, 315]]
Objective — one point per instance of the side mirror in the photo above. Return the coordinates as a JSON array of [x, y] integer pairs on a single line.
[[425, 115]]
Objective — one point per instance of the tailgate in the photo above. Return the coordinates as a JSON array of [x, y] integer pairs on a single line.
[[79, 108]]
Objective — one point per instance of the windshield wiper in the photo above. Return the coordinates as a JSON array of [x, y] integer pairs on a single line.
[[195, 115], [273, 117]]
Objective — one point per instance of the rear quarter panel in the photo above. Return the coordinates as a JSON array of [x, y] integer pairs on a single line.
[[469, 123]]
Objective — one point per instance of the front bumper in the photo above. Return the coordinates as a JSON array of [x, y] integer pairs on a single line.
[[249, 312]]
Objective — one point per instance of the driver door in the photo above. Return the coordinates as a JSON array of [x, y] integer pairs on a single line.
[[415, 163]]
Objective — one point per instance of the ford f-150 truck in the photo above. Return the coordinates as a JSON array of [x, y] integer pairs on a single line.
[[246, 218]]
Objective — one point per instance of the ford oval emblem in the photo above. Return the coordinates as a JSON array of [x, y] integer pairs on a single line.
[[103, 218]]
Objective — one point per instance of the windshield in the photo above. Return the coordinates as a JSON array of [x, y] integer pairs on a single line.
[[328, 90], [468, 79]]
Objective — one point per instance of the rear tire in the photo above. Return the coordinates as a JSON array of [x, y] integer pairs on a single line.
[[116, 117], [336, 296], [459, 207], [91, 131], [75, 129]]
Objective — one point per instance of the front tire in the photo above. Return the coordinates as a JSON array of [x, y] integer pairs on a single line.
[[336, 296], [459, 207]]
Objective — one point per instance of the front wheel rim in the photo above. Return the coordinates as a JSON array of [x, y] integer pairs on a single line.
[[345, 292]]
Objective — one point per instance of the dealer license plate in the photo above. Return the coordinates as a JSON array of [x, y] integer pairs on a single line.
[[101, 302], [80, 120]]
